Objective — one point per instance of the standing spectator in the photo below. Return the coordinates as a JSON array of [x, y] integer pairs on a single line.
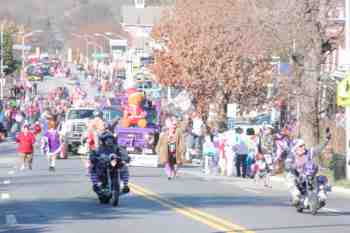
[[229, 151], [283, 149], [197, 132], [266, 145], [209, 153], [187, 124], [221, 141], [35, 88], [26, 140], [241, 150], [252, 142], [170, 149]]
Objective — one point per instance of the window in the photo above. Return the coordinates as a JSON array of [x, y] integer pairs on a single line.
[[140, 3], [80, 114]]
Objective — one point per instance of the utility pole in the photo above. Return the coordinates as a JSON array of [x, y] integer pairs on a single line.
[[2, 49], [347, 109], [2, 61]]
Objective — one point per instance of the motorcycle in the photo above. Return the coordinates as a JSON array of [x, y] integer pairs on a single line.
[[313, 191], [108, 166]]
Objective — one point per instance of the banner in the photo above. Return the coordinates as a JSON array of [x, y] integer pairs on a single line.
[[343, 92]]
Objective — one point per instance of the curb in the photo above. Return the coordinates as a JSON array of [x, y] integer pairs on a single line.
[[279, 179]]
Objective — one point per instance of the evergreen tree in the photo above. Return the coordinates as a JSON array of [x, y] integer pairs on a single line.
[[8, 54]]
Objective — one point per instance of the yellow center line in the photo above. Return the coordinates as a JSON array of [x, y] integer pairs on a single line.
[[200, 216]]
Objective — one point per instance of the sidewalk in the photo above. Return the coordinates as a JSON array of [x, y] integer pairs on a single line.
[[193, 170]]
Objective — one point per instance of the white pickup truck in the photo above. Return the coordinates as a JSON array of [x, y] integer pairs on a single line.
[[74, 127]]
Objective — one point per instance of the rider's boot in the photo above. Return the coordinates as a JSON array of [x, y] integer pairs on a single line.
[[126, 189]]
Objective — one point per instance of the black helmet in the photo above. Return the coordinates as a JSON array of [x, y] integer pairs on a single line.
[[107, 139]]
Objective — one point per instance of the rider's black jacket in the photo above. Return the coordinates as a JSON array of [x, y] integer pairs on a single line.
[[115, 149]]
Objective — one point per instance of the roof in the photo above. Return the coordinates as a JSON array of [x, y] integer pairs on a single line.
[[141, 16]]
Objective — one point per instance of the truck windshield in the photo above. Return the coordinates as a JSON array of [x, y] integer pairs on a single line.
[[80, 114]]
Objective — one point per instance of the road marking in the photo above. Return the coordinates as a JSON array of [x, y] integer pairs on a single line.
[[11, 220], [7, 182], [11, 172], [5, 196], [195, 214], [331, 210]]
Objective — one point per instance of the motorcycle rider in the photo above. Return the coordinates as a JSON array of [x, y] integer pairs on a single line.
[[107, 145], [296, 162]]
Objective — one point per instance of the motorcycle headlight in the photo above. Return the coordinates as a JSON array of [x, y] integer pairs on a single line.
[[113, 163]]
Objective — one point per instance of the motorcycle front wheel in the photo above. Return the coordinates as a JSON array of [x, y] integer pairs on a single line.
[[104, 199], [314, 204], [115, 192]]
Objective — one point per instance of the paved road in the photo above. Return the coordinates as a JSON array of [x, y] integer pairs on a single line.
[[41, 201]]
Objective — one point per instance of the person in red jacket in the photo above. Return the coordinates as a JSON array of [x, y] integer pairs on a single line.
[[26, 140]]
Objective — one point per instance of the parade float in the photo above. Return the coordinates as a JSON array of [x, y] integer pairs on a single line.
[[139, 127]]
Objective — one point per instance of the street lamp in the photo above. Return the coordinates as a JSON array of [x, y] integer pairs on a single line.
[[86, 38], [105, 37], [2, 50], [23, 37], [2, 80], [96, 45], [87, 45]]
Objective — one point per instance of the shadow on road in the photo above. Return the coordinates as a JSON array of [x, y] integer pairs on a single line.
[[330, 227], [23, 229], [75, 210], [201, 201]]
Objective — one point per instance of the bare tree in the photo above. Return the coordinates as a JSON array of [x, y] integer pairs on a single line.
[[211, 50], [301, 29]]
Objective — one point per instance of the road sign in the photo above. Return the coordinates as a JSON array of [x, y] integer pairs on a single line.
[[21, 47], [100, 55], [343, 92]]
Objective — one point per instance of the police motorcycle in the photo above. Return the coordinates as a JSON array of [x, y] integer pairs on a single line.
[[106, 164], [313, 189]]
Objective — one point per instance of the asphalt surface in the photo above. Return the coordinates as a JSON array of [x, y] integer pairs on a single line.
[[41, 201]]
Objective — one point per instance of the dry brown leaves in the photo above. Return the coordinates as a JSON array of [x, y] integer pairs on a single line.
[[212, 47]]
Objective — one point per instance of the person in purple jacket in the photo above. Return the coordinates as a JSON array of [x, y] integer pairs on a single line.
[[51, 144]]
